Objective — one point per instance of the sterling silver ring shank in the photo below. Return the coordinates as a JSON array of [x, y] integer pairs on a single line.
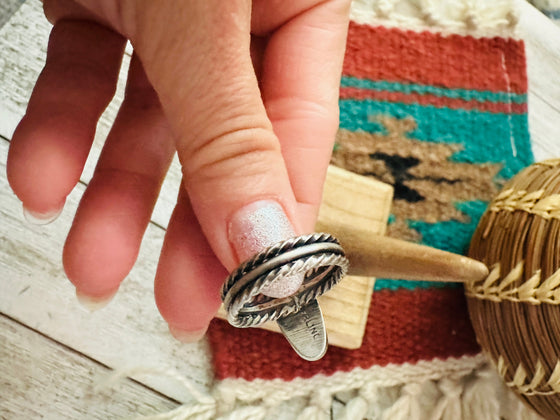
[[318, 255]]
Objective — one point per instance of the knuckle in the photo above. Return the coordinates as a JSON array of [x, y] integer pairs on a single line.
[[223, 154]]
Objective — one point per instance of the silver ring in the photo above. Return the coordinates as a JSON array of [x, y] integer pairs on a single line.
[[318, 255]]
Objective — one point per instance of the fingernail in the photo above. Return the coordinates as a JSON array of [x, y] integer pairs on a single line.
[[41, 219], [186, 336], [260, 225], [94, 303]]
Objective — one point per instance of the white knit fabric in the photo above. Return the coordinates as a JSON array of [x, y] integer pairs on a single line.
[[467, 388], [473, 17]]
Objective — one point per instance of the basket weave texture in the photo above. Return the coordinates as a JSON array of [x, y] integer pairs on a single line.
[[516, 310]]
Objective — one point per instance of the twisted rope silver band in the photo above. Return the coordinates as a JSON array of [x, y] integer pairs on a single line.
[[318, 255]]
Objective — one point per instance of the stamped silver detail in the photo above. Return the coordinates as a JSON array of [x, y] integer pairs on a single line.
[[305, 331]]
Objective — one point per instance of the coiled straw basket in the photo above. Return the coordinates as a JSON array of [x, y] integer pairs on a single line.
[[516, 310]]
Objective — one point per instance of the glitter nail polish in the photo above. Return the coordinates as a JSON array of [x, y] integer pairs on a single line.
[[260, 225]]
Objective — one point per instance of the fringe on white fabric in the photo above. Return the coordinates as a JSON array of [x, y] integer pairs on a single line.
[[479, 18], [455, 389]]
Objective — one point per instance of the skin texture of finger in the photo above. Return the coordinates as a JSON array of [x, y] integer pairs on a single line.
[[225, 142], [300, 84], [51, 144], [104, 240], [189, 276]]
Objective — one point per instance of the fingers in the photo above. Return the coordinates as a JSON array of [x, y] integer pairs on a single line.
[[51, 144], [231, 157], [104, 240], [300, 85], [189, 276]]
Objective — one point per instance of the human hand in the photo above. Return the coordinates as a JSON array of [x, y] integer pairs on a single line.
[[245, 93]]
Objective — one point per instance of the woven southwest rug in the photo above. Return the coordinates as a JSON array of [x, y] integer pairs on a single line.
[[433, 100]]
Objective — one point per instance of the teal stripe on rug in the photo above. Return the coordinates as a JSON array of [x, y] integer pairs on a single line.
[[486, 137], [389, 284], [465, 94]]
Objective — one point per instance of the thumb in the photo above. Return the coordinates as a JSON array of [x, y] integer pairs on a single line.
[[233, 168]]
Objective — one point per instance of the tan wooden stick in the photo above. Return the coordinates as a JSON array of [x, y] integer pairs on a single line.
[[380, 256], [353, 209]]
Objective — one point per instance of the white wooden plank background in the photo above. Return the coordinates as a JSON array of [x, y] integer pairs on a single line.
[[7, 9], [542, 43], [71, 346], [43, 367]]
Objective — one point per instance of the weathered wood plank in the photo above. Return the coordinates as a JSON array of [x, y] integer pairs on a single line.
[[7, 9], [542, 42], [23, 46], [42, 379]]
